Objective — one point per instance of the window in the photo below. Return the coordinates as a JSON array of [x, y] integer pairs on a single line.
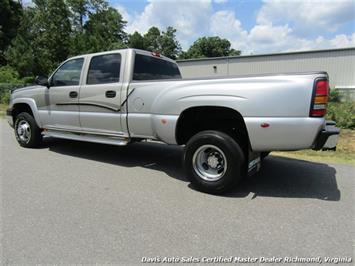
[[68, 74], [151, 68], [104, 69]]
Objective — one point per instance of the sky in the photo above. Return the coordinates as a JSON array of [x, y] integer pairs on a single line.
[[252, 26]]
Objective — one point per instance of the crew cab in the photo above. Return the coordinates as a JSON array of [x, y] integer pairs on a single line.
[[227, 125]]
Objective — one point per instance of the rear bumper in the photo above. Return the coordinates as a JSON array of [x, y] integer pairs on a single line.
[[9, 117], [328, 137]]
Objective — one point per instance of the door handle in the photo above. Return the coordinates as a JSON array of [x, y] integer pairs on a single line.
[[73, 94], [110, 94]]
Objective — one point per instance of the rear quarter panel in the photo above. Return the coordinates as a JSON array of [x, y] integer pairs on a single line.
[[282, 101]]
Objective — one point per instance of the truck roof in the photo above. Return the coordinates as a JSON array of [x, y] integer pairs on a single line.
[[138, 51]]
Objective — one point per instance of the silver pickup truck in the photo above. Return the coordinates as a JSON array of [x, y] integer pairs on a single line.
[[227, 125]]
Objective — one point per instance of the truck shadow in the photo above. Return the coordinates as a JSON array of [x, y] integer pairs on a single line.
[[290, 178], [279, 177]]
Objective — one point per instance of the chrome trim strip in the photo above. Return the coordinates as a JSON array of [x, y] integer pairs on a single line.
[[75, 131], [90, 104]]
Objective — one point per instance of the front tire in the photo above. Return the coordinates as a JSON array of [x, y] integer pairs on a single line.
[[27, 133], [213, 161]]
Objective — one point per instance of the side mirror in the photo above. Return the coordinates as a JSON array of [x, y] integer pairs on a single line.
[[42, 80]]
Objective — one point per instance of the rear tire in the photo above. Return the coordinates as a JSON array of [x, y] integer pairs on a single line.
[[27, 133], [213, 161]]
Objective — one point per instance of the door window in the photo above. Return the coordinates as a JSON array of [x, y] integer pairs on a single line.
[[68, 74], [104, 69]]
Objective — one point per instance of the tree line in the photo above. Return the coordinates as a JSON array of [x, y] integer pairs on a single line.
[[36, 38]]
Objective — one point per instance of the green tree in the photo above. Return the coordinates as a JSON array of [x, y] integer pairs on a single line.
[[97, 6], [20, 54], [52, 33], [136, 40], [105, 31], [78, 13], [79, 43], [80, 9], [10, 16], [210, 47], [170, 47], [9, 75], [152, 39], [9, 78], [164, 42], [43, 38]]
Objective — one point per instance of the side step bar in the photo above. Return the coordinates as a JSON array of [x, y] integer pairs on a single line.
[[86, 137]]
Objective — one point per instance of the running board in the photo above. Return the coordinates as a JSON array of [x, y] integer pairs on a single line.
[[86, 137]]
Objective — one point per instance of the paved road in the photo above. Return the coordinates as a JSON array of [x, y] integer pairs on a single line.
[[76, 203]]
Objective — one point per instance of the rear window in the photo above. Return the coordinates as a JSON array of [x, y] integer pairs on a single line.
[[151, 68]]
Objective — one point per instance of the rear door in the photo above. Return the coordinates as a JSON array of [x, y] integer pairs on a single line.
[[100, 95]]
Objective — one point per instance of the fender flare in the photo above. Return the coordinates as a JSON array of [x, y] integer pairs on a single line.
[[32, 104]]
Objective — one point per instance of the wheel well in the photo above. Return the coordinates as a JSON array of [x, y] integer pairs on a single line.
[[227, 120], [19, 108]]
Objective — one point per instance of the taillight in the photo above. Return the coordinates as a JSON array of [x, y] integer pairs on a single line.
[[320, 98]]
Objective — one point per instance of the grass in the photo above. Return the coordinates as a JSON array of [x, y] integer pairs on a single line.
[[3, 108], [344, 154]]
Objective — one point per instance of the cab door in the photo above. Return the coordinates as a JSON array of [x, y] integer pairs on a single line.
[[100, 95], [62, 97]]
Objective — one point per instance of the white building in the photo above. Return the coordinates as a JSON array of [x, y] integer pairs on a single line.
[[339, 63]]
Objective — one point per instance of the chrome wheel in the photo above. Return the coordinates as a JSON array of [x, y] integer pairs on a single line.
[[209, 162], [23, 131]]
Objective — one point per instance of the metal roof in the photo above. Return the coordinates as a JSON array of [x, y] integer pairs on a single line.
[[271, 54]]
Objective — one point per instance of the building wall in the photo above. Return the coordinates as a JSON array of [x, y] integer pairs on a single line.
[[339, 63]]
